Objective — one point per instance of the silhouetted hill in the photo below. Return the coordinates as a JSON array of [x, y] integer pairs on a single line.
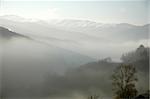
[[25, 62], [7, 34], [138, 57]]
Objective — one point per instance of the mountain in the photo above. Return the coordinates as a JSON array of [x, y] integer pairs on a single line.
[[95, 77], [55, 61], [89, 38], [7, 34], [70, 27], [74, 28], [26, 62], [51, 54], [122, 31], [16, 18]]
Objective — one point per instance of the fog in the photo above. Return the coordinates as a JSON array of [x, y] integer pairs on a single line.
[[26, 63], [92, 39], [47, 61]]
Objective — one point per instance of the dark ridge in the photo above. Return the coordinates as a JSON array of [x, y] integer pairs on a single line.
[[7, 34]]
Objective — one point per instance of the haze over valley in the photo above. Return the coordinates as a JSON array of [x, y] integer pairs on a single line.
[[75, 50]]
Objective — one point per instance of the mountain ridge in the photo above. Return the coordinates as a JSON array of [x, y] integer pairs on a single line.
[[89, 40], [8, 34]]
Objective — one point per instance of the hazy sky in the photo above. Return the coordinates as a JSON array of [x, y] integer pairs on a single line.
[[105, 11]]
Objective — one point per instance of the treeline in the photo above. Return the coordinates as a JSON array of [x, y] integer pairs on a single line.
[[90, 80], [95, 77]]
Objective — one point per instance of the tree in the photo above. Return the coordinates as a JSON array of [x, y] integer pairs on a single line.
[[139, 58], [141, 53], [123, 80]]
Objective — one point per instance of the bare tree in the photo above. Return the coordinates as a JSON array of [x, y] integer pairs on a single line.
[[124, 78]]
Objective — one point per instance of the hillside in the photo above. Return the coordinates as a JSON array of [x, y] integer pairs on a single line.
[[7, 34], [26, 62], [82, 36]]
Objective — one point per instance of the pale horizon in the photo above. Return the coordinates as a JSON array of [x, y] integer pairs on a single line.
[[114, 12]]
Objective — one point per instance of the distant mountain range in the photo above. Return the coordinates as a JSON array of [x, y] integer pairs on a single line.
[[56, 56], [81, 36], [122, 31], [27, 61], [51, 53], [75, 28]]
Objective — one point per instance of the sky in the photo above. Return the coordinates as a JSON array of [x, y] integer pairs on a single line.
[[104, 11]]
